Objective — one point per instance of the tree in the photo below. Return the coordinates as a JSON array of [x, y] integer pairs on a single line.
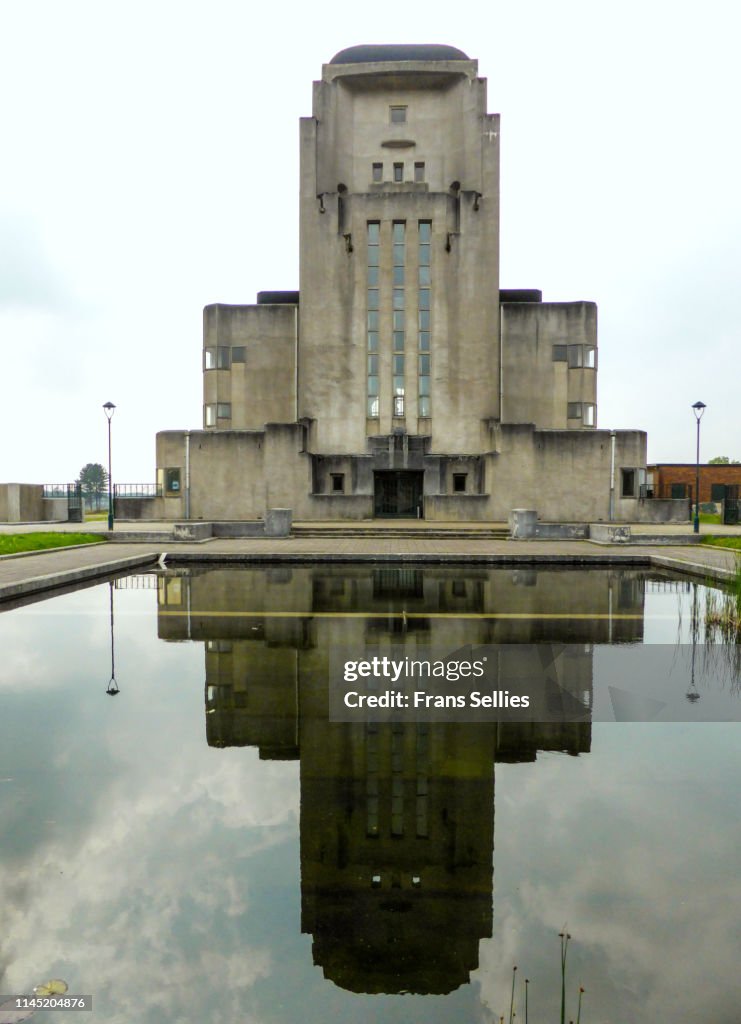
[[94, 482], [723, 460]]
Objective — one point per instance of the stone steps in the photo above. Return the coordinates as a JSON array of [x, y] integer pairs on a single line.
[[404, 532]]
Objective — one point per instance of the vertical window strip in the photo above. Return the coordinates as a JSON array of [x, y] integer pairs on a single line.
[[423, 317], [398, 313], [372, 303]]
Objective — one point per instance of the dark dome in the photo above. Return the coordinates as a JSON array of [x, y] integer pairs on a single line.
[[376, 53]]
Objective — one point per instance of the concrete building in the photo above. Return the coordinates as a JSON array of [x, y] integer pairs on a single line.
[[401, 380]]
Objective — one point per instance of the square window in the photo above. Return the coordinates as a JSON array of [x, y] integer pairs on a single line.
[[398, 172], [224, 411], [717, 492], [573, 411], [560, 353], [239, 354], [628, 483], [459, 482], [377, 172], [679, 491], [419, 172], [338, 483], [398, 115], [374, 228], [576, 356]]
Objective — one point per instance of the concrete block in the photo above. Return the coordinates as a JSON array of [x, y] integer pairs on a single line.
[[609, 533], [191, 531], [278, 522], [523, 523]]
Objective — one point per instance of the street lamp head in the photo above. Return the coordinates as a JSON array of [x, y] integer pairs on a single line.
[[699, 408], [108, 409]]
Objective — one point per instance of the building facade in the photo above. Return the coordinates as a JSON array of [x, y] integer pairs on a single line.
[[401, 380]]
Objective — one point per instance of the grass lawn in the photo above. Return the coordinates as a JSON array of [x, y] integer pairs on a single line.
[[723, 542], [12, 543]]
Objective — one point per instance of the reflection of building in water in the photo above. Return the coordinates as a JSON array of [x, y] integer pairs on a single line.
[[397, 820]]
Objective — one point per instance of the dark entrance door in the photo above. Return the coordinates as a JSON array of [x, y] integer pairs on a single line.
[[398, 494]]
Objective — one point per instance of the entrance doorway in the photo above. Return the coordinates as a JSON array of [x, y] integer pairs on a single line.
[[398, 494]]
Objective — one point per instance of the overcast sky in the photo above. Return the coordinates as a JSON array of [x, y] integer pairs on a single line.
[[150, 167]]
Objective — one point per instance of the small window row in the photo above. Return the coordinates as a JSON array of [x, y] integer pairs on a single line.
[[221, 357], [584, 411], [217, 411], [397, 172], [576, 356]]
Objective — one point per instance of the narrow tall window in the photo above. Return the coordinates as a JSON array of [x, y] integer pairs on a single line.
[[372, 392], [419, 172], [378, 172], [398, 311], [398, 172], [423, 318]]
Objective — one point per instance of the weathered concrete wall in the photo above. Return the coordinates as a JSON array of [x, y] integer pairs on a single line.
[[262, 388], [537, 388], [663, 510], [139, 508], [21, 503]]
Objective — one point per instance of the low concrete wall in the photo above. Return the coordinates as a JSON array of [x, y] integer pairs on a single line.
[[21, 503], [237, 529], [523, 523], [151, 509], [609, 533], [561, 531], [662, 510], [278, 522], [55, 510]]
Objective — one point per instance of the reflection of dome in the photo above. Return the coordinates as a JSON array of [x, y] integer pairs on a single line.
[[377, 53]]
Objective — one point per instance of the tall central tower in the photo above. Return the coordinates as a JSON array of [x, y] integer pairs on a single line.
[[399, 243]]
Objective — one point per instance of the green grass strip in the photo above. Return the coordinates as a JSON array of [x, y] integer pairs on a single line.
[[723, 542], [13, 543]]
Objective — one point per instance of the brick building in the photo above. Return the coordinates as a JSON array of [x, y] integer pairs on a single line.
[[677, 480]]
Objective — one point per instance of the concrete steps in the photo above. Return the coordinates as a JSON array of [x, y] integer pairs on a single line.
[[426, 532]]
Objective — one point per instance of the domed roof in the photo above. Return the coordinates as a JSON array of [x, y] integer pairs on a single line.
[[377, 53]]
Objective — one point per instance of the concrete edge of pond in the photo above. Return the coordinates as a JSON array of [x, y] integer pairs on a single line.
[[69, 566]]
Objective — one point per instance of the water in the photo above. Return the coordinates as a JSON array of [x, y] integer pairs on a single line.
[[206, 846]]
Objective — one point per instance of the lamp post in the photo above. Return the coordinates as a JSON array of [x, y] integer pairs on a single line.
[[108, 409], [699, 409]]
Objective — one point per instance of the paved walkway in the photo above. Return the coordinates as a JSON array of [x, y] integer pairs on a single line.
[[38, 572]]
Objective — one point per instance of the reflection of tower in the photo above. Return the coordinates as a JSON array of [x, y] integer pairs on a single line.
[[397, 821], [397, 832]]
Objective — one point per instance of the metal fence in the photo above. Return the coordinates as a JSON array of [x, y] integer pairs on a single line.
[[137, 491]]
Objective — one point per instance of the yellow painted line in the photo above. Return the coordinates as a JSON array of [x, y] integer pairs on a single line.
[[410, 615]]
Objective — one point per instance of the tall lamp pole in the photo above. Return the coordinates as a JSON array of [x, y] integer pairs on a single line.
[[699, 409], [108, 409]]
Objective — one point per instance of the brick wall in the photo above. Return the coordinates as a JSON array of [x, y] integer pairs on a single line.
[[666, 474]]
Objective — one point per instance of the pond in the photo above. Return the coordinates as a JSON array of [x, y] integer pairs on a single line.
[[188, 836]]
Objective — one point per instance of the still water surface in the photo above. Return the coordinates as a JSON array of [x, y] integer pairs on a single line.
[[206, 846]]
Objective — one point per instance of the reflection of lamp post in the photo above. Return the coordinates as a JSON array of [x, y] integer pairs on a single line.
[[699, 408], [692, 695], [112, 689], [108, 410]]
